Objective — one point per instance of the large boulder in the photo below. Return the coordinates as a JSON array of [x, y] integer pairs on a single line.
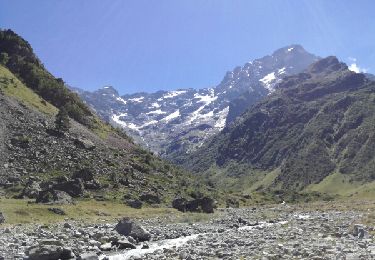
[[136, 204], [54, 197], [73, 187], [204, 204], [150, 198], [128, 227], [180, 204], [49, 252]]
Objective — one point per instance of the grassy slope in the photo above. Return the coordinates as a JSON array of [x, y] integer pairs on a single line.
[[15, 88], [342, 185], [25, 211]]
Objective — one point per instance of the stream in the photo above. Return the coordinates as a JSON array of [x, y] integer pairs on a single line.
[[177, 242]]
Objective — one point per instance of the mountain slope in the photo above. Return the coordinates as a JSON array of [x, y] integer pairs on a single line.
[[91, 159], [21, 61], [175, 123], [316, 123]]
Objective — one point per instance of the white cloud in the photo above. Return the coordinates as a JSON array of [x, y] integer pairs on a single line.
[[355, 67]]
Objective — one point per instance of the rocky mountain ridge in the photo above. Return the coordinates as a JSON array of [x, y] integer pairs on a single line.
[[316, 124], [173, 123]]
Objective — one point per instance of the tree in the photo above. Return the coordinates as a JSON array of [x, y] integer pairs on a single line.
[[62, 123], [4, 58]]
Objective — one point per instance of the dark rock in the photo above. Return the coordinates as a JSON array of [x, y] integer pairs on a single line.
[[57, 211], [86, 174], [2, 218], [49, 252], [204, 204], [21, 141], [179, 204], [74, 187], [137, 204], [150, 198], [128, 227], [124, 244], [54, 196], [92, 185]]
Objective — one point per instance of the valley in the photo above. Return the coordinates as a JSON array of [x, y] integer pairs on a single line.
[[275, 161]]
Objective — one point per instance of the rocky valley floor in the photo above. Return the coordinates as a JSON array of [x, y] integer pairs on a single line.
[[318, 231]]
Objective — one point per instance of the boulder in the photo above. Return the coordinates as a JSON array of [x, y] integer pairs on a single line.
[[204, 204], [360, 231], [86, 174], [57, 211], [2, 218], [54, 197], [150, 198], [128, 227], [84, 143], [106, 247], [137, 204], [124, 244], [73, 187], [31, 190], [179, 204], [49, 252]]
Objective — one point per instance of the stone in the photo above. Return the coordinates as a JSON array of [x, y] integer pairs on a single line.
[[67, 225], [125, 244], [205, 205], [360, 231], [137, 204], [31, 190], [73, 187], [57, 211], [88, 256], [106, 247], [86, 174], [2, 218], [54, 197], [128, 227], [49, 252], [84, 143], [150, 198]]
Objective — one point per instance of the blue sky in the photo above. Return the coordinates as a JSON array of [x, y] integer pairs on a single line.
[[151, 45]]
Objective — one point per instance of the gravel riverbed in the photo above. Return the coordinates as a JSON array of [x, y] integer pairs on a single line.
[[279, 232]]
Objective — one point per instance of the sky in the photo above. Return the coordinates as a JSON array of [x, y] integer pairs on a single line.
[[149, 45]]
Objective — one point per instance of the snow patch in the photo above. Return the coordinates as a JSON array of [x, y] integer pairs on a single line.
[[281, 71], [290, 49], [206, 98], [120, 99], [137, 100], [156, 112], [155, 105], [172, 116], [220, 122], [172, 94]]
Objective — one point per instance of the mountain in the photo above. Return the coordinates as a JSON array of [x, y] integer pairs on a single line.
[[88, 159], [175, 123], [315, 130]]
